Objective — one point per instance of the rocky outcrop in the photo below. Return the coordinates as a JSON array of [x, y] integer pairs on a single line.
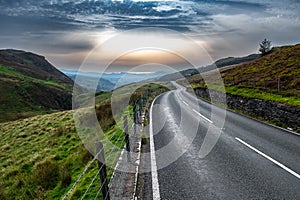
[[278, 113]]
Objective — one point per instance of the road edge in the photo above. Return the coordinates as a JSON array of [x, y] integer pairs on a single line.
[[154, 174]]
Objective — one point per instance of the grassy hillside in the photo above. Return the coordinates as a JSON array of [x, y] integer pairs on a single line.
[[29, 85], [41, 157], [23, 96], [259, 78], [32, 65]]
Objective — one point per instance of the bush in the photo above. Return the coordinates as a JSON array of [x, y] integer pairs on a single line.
[[65, 175], [144, 139], [46, 174], [84, 155], [60, 131], [2, 195]]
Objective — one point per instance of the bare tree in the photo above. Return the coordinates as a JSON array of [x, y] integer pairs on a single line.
[[265, 47]]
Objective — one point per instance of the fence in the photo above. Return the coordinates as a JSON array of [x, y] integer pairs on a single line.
[[266, 84], [100, 159]]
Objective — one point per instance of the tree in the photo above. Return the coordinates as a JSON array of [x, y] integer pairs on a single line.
[[265, 47]]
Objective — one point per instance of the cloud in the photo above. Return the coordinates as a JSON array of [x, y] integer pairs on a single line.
[[66, 28]]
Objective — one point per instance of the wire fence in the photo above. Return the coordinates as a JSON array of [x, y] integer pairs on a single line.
[[103, 147], [101, 173]]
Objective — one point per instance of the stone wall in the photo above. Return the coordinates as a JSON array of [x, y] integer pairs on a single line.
[[279, 113]]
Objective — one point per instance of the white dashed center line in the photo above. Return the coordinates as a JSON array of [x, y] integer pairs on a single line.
[[195, 111], [269, 158]]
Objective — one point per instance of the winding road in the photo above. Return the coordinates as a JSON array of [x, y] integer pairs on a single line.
[[201, 151]]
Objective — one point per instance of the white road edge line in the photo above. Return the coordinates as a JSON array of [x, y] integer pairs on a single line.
[[269, 158], [155, 184], [195, 111]]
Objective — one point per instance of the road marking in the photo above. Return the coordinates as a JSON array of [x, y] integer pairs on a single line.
[[195, 111], [185, 103], [155, 184], [179, 97], [269, 158]]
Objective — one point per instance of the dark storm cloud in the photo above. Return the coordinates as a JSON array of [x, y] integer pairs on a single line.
[[122, 15], [239, 4], [30, 16], [16, 25]]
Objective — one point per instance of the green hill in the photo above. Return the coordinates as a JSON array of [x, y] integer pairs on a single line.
[[259, 78], [30, 85]]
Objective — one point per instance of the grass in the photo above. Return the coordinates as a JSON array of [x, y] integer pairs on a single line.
[[259, 94], [14, 75], [42, 156], [255, 93], [27, 143]]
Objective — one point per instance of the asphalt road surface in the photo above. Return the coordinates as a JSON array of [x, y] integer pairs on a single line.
[[199, 153]]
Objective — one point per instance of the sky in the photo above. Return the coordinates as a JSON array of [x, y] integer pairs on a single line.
[[131, 34]]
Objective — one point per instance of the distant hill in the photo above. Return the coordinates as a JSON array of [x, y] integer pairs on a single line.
[[30, 85], [219, 64], [88, 83], [235, 60], [109, 81]]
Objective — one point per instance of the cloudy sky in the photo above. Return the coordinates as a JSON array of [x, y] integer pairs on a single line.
[[66, 31]]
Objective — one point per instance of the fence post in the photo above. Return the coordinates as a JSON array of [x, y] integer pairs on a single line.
[[141, 109], [126, 133], [136, 121], [102, 168], [278, 85]]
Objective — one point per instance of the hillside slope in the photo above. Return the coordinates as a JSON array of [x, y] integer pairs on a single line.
[[30, 85], [260, 78]]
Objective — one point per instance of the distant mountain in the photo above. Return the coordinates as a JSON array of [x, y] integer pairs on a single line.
[[108, 81], [29, 85], [235, 60], [219, 63], [89, 82]]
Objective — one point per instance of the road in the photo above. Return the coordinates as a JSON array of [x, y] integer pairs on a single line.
[[197, 156]]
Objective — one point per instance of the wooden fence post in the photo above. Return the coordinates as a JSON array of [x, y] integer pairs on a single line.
[[278, 85], [141, 108], [126, 133], [102, 169], [136, 120]]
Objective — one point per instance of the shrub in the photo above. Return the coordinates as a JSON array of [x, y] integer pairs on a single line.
[[84, 155], [65, 175], [46, 173], [2, 195], [60, 131]]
